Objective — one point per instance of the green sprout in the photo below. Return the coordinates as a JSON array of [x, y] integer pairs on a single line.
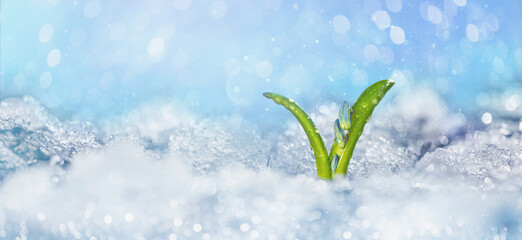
[[347, 128]]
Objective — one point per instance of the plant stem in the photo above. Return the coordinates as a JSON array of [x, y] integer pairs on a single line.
[[316, 141], [362, 111]]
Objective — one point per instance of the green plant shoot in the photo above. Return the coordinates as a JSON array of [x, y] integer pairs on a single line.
[[362, 111], [347, 129], [316, 141]]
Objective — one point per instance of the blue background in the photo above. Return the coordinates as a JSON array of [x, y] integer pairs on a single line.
[[217, 57]]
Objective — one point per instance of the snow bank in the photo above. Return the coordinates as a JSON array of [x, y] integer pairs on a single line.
[[218, 179]]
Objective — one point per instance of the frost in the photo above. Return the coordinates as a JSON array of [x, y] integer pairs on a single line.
[[440, 158], [29, 135], [490, 158], [161, 171]]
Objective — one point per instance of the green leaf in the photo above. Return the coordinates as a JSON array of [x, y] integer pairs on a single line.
[[316, 141], [362, 111]]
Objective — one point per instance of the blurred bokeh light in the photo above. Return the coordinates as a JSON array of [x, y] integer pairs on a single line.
[[92, 59]]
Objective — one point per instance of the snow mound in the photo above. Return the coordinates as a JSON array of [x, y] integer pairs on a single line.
[[217, 178]]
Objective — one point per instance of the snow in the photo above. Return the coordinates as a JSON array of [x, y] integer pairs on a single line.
[[139, 177], [148, 122]]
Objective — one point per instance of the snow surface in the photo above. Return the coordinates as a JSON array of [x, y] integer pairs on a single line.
[[161, 172], [147, 121]]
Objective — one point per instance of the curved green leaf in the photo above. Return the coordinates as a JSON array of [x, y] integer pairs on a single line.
[[362, 111], [316, 141]]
